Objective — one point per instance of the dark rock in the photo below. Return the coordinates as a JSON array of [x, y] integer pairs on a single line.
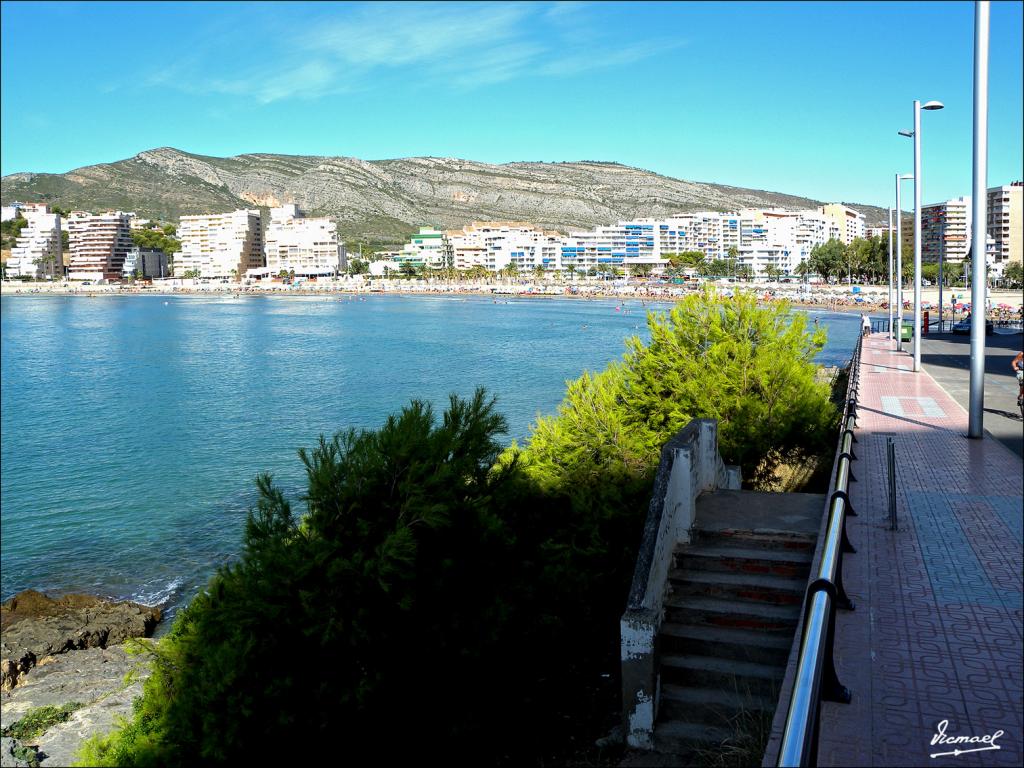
[[35, 626]]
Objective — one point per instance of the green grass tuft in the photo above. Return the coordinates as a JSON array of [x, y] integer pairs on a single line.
[[39, 720]]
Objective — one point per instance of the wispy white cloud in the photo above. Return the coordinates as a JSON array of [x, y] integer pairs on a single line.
[[578, 63], [565, 8], [459, 45]]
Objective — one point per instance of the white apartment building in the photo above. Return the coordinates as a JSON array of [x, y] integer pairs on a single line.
[[306, 246], [525, 250], [464, 248], [1006, 224], [99, 245], [495, 245], [9, 212], [618, 246], [220, 245], [710, 233], [38, 251]]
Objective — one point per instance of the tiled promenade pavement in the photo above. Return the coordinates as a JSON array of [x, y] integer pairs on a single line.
[[937, 630]]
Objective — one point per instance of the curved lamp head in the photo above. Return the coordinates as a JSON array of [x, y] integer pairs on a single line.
[[908, 134], [932, 105]]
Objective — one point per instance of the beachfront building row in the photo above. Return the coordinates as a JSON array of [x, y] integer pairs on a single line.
[[759, 238], [236, 245], [219, 245], [37, 251], [946, 228]]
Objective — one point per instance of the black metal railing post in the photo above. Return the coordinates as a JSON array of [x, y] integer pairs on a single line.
[[890, 450]]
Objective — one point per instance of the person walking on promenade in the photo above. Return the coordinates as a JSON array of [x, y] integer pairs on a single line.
[[1018, 369], [865, 324]]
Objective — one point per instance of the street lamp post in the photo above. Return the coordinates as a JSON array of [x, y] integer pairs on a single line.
[[899, 257], [890, 274], [976, 395], [916, 134]]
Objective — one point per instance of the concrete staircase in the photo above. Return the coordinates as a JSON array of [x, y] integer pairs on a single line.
[[730, 613]]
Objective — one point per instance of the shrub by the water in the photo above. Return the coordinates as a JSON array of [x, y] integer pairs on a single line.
[[749, 367], [442, 599]]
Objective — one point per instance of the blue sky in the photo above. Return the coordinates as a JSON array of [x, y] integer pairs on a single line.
[[804, 98]]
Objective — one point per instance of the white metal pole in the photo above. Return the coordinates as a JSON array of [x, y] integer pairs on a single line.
[[940, 288], [917, 235], [899, 266], [890, 273], [976, 398]]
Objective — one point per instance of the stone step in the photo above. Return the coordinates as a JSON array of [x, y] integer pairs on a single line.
[[741, 677], [787, 542], [679, 737], [738, 644], [738, 586], [687, 609], [727, 558], [711, 706]]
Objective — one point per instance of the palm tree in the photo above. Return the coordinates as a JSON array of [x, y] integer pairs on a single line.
[[571, 269], [733, 255]]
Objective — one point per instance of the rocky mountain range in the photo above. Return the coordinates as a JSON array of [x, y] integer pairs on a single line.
[[382, 201]]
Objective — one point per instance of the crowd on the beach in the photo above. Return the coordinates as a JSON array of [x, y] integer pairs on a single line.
[[820, 296]]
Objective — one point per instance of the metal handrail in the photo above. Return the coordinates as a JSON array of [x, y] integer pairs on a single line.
[[816, 677]]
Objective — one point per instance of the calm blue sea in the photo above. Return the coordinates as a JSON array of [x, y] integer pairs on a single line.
[[131, 428]]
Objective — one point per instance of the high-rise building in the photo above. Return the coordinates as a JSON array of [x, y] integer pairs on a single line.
[[99, 245], [38, 252], [307, 247], [220, 245], [849, 224], [945, 230], [1006, 224]]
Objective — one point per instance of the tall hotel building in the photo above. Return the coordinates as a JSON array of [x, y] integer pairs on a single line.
[[99, 245], [306, 246], [945, 230], [1006, 224], [220, 245], [848, 223], [38, 251]]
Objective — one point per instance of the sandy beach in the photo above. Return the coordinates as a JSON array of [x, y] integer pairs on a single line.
[[1005, 304]]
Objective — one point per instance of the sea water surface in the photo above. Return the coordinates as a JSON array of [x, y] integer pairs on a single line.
[[133, 427]]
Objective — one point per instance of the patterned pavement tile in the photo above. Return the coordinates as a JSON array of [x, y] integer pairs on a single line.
[[937, 632]]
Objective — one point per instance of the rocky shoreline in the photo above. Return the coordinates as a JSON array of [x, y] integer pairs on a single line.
[[62, 663]]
